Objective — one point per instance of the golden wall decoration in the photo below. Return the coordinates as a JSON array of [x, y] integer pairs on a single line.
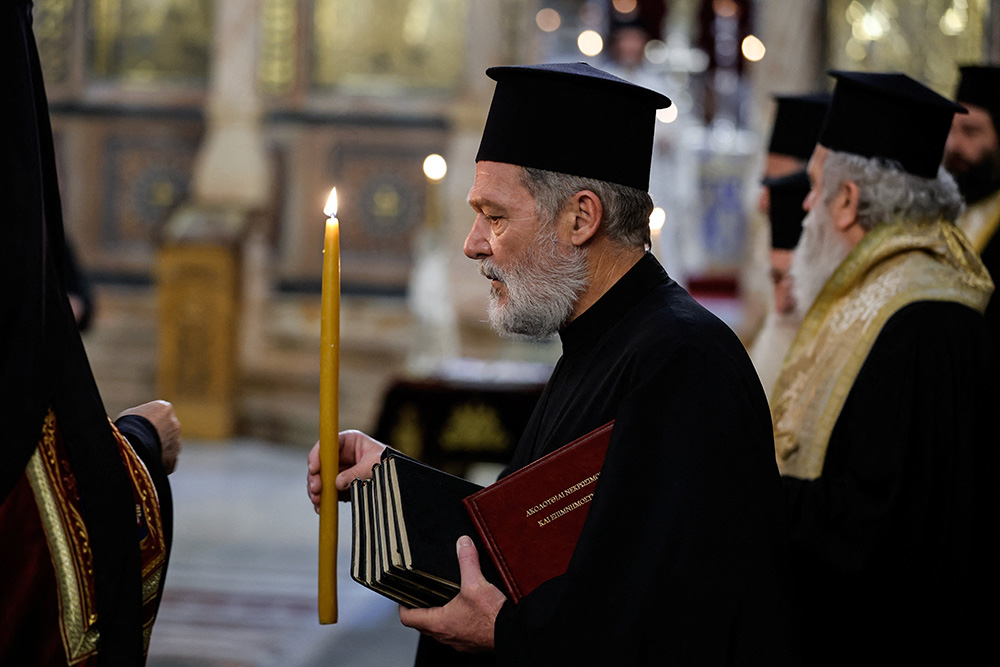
[[276, 66], [150, 41], [198, 286], [474, 426], [927, 39], [390, 45], [52, 22]]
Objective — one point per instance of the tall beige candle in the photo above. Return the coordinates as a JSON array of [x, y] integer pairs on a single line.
[[329, 381]]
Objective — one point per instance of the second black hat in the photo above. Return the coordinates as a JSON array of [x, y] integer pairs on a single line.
[[891, 116], [797, 122], [786, 212], [980, 85]]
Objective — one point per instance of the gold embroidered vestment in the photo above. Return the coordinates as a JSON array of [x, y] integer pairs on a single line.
[[895, 264]]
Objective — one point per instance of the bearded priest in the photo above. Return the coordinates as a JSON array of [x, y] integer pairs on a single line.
[[880, 412]]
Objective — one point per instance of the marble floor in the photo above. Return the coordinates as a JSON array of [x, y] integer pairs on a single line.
[[241, 588]]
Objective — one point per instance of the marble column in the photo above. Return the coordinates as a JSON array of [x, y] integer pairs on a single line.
[[232, 168]]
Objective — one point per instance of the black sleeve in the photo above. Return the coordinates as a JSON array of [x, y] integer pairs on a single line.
[[145, 441], [142, 435]]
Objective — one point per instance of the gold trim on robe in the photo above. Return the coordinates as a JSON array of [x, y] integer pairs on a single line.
[[894, 265], [152, 541], [69, 545], [981, 221], [54, 488]]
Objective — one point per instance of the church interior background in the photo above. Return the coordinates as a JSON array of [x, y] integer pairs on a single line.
[[197, 141]]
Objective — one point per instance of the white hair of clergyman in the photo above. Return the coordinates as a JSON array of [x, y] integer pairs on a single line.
[[626, 209], [886, 192]]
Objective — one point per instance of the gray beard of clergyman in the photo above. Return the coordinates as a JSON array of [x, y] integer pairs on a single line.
[[542, 287], [819, 252]]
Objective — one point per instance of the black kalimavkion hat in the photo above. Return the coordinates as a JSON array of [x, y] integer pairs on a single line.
[[574, 119], [980, 86], [889, 116], [786, 212], [797, 122]]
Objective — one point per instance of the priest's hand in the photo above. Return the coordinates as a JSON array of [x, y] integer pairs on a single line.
[[161, 415], [465, 623], [358, 453]]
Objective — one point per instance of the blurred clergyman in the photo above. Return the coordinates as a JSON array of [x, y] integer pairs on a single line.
[[786, 196], [972, 155], [797, 123], [883, 410], [798, 120], [85, 506], [681, 556]]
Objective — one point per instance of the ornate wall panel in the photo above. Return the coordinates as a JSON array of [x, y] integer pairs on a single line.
[[376, 165], [121, 175], [145, 177], [149, 40], [388, 46], [53, 27], [277, 59]]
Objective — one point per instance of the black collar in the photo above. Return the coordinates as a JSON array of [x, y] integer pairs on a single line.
[[614, 304]]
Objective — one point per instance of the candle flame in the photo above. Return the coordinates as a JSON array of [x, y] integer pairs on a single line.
[[331, 204]]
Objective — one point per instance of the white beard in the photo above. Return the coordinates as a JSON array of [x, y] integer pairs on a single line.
[[819, 252], [771, 345], [542, 287]]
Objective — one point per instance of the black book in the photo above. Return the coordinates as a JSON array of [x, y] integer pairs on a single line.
[[406, 521], [366, 547]]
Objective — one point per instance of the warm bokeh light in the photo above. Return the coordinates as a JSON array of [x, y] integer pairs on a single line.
[[331, 204], [667, 115], [753, 49], [590, 43], [435, 167], [656, 52], [725, 8], [548, 19], [855, 12], [855, 50], [624, 6], [954, 21], [657, 218], [867, 26]]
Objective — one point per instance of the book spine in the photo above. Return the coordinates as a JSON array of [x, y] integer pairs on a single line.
[[513, 590]]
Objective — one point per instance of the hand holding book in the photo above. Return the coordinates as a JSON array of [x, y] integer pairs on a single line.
[[465, 623], [407, 518]]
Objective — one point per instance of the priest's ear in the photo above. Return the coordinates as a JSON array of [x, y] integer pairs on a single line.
[[843, 207], [584, 215]]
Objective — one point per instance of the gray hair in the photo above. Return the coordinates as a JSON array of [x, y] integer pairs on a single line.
[[886, 191], [626, 209]]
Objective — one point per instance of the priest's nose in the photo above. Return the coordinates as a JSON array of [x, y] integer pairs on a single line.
[[476, 243]]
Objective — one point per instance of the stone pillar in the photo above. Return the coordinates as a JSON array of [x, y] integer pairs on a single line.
[[231, 169]]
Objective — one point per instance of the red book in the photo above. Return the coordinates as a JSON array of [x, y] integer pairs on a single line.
[[531, 520]]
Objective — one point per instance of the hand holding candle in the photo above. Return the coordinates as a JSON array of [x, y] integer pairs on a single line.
[[329, 381]]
